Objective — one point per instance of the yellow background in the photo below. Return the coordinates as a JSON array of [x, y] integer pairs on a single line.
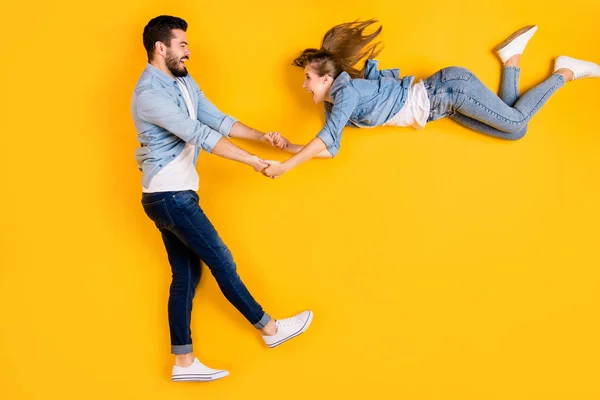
[[440, 264]]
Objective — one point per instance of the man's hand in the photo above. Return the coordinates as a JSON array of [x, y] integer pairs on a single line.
[[274, 169], [258, 164]]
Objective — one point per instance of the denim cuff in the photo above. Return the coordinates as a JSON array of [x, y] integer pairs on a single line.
[[329, 142], [326, 137], [333, 149], [182, 349], [211, 141], [226, 125], [263, 321]]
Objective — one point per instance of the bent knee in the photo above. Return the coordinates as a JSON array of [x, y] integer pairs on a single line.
[[517, 133]]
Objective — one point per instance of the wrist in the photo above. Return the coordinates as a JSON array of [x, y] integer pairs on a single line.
[[286, 165], [253, 160], [258, 135], [293, 148]]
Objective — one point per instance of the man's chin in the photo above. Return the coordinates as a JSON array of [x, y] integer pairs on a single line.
[[180, 73]]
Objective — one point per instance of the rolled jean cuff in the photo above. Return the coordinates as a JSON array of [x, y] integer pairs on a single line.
[[263, 321], [182, 349]]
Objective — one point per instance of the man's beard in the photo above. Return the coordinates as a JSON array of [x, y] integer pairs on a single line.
[[174, 66]]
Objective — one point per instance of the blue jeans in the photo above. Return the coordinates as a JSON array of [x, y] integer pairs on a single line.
[[190, 238], [457, 93]]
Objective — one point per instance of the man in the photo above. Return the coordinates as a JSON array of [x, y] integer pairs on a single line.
[[174, 120]]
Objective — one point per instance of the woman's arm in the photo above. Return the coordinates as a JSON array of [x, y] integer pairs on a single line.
[[328, 139], [311, 150], [285, 145]]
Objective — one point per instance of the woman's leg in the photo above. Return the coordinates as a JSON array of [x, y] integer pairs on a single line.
[[456, 91], [509, 93]]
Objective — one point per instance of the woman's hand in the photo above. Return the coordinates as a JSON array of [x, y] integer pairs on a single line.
[[275, 169]]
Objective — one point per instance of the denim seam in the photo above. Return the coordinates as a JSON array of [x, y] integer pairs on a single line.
[[188, 301], [171, 221], [500, 117], [153, 203], [516, 80], [517, 72], [179, 193]]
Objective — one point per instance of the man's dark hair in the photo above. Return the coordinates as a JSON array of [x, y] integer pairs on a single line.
[[160, 29]]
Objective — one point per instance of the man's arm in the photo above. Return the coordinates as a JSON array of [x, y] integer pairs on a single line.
[[156, 107], [227, 125], [224, 148], [241, 131]]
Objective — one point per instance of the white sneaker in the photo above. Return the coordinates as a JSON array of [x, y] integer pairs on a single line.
[[289, 328], [197, 372], [581, 69], [515, 43]]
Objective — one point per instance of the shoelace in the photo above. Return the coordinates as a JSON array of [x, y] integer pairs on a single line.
[[287, 322]]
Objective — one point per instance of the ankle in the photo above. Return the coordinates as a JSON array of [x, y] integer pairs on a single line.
[[184, 360], [270, 329], [566, 73], [513, 61]]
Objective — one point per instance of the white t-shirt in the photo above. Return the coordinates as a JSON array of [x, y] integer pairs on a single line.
[[180, 174], [416, 109]]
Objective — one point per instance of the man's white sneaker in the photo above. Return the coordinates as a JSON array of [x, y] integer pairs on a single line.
[[289, 328], [197, 372], [581, 69], [515, 43]]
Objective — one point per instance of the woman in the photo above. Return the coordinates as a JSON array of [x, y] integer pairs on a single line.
[[369, 97]]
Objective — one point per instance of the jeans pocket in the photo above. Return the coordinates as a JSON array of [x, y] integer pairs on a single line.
[[186, 199], [455, 73], [157, 211]]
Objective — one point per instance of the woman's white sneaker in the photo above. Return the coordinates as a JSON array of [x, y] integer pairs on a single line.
[[580, 69], [515, 43], [197, 372], [289, 328]]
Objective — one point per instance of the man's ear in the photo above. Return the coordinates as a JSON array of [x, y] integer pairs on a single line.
[[159, 47]]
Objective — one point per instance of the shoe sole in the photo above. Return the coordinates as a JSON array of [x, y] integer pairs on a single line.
[[513, 37], [199, 377], [304, 328]]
